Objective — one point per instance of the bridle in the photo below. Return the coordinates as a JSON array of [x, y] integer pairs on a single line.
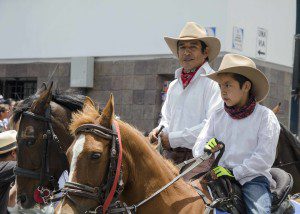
[[49, 139], [108, 193]]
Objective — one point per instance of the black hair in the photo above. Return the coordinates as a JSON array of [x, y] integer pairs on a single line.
[[203, 48], [241, 79]]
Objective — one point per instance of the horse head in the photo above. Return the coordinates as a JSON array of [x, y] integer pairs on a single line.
[[94, 158], [41, 158]]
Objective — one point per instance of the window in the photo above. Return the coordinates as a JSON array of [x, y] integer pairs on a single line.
[[17, 88]]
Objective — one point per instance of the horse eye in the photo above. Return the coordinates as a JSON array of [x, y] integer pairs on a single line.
[[95, 156], [30, 143]]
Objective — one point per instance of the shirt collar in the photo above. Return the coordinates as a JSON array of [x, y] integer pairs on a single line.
[[203, 70]]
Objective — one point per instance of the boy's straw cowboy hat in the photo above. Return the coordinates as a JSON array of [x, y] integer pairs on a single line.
[[234, 63]]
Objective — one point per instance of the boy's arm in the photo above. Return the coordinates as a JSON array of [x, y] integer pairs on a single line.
[[205, 135], [188, 136], [263, 157]]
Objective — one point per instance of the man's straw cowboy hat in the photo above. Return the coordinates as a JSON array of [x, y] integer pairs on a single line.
[[192, 31], [233, 63], [8, 141]]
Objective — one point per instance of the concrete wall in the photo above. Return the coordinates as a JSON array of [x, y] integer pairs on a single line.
[[136, 84]]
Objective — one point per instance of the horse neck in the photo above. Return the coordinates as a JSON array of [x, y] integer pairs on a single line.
[[145, 171]]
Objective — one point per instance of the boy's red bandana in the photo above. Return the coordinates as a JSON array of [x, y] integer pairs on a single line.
[[241, 112]]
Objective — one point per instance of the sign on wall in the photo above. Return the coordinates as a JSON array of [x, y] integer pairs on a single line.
[[211, 31], [237, 38], [261, 43]]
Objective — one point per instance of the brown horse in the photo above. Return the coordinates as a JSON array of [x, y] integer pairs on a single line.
[[288, 156], [43, 119], [144, 170]]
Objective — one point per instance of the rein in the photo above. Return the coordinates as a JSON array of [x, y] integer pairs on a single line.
[[109, 192], [49, 138]]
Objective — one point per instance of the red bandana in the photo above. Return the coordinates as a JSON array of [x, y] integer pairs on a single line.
[[241, 112], [187, 77]]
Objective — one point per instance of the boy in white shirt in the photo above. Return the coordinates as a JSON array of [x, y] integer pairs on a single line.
[[249, 131]]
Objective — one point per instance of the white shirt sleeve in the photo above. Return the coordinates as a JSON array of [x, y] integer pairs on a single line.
[[263, 156], [205, 135], [165, 113], [187, 137]]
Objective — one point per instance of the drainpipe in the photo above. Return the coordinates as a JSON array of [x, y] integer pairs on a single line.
[[294, 117]]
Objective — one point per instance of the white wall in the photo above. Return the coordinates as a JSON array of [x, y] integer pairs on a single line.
[[67, 28], [278, 17]]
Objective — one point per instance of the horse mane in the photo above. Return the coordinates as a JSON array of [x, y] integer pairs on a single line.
[[294, 142], [91, 115], [72, 101]]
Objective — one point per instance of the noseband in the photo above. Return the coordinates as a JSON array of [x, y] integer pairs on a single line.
[[107, 194], [49, 138]]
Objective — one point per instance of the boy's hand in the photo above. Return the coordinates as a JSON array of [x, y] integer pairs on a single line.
[[221, 171], [211, 145]]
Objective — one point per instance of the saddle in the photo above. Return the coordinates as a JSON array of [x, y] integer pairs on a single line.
[[227, 195]]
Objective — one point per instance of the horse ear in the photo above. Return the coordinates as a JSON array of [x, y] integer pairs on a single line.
[[88, 102], [43, 102], [41, 89], [107, 115]]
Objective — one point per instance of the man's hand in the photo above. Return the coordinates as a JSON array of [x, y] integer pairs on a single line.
[[212, 146], [221, 171], [153, 136], [165, 141]]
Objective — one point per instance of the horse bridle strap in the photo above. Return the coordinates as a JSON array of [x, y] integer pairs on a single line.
[[28, 173], [82, 190], [49, 137], [96, 130], [110, 190]]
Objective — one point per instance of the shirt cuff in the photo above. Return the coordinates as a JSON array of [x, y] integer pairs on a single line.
[[174, 139]]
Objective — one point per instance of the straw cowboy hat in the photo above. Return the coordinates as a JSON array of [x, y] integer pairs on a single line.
[[192, 31], [233, 63], [8, 141]]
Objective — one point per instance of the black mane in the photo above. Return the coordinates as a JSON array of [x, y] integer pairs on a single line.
[[69, 100], [294, 142]]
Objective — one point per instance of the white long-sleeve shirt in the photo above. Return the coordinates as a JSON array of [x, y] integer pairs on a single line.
[[185, 111], [250, 143]]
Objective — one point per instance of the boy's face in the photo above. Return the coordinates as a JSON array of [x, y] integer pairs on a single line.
[[231, 92], [190, 54]]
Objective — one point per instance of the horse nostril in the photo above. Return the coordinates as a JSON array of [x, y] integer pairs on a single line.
[[22, 199]]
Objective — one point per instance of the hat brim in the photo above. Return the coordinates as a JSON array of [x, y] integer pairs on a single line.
[[260, 84], [212, 43], [8, 148]]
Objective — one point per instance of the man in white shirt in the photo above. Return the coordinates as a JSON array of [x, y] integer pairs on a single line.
[[249, 131], [191, 98]]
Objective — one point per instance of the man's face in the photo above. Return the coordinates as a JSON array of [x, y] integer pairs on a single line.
[[190, 54]]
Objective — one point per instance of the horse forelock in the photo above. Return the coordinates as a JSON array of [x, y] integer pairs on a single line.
[[89, 115]]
